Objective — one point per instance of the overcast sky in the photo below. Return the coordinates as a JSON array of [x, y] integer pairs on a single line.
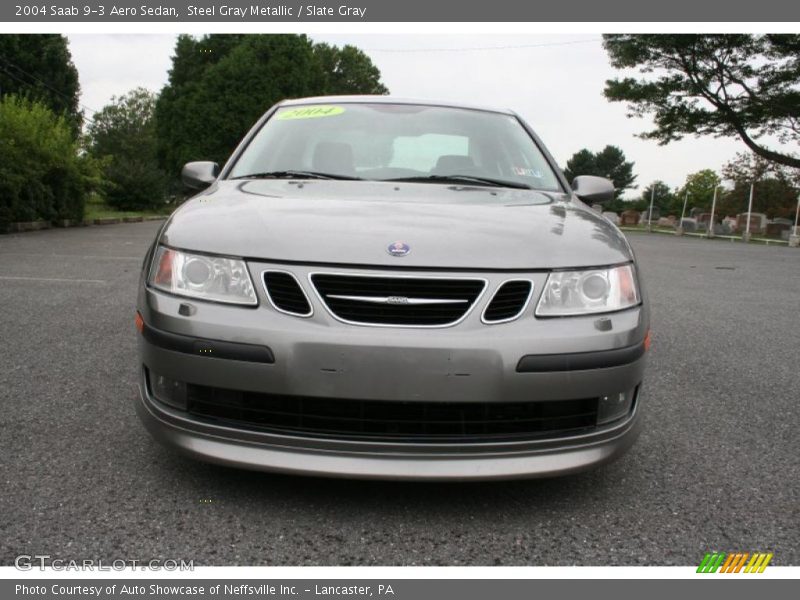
[[555, 82]]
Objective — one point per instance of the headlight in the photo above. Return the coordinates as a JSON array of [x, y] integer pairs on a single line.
[[588, 292], [205, 277]]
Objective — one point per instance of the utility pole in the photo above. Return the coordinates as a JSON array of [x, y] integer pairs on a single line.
[[746, 235], [710, 232], [679, 230], [650, 214], [794, 237]]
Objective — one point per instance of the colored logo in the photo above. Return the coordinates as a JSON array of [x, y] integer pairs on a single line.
[[398, 249], [734, 562]]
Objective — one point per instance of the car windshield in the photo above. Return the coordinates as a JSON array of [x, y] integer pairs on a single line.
[[396, 142]]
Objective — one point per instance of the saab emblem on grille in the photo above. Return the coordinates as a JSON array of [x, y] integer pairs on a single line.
[[399, 249], [397, 300]]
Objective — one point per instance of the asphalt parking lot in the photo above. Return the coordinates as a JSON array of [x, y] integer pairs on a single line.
[[717, 467]]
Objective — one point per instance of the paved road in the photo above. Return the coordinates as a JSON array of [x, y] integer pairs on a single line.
[[717, 466]]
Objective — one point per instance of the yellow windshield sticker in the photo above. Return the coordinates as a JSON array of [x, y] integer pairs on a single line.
[[310, 112]]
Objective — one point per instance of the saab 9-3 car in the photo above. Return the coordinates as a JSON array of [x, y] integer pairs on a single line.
[[384, 288]]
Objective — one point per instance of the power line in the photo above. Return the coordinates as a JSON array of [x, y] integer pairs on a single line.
[[480, 48], [22, 81], [44, 83], [47, 85]]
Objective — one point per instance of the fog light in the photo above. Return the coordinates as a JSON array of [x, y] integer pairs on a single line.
[[168, 391], [614, 406]]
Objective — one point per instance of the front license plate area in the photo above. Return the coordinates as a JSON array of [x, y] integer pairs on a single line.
[[423, 374]]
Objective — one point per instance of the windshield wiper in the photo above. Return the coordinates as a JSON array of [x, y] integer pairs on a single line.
[[292, 174], [464, 179]]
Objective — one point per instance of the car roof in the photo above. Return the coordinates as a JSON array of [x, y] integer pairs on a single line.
[[375, 99]]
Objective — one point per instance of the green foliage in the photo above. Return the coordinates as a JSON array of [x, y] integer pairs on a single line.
[[664, 199], [609, 162], [746, 167], [123, 137], [770, 196], [125, 126], [619, 205], [219, 85], [775, 191], [581, 163], [740, 85], [346, 70], [39, 67], [134, 184], [700, 188], [42, 175]]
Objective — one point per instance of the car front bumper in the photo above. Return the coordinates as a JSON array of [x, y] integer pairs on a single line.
[[528, 360], [363, 460]]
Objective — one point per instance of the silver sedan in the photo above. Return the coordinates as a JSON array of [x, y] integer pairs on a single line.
[[383, 288]]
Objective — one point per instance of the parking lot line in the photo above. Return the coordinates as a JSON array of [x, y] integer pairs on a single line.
[[51, 279], [85, 256]]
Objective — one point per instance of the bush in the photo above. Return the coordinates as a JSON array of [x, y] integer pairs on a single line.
[[42, 174], [134, 184], [122, 136]]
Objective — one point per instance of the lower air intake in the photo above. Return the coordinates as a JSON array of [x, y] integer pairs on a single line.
[[410, 422]]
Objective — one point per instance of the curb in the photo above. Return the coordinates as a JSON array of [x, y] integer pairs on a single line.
[[25, 226], [705, 236], [29, 226]]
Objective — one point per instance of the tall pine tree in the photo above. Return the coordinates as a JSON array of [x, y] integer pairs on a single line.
[[219, 85]]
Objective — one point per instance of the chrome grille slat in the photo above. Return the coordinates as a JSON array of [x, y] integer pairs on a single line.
[[388, 299]]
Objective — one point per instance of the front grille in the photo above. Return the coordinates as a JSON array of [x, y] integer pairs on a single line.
[[410, 422], [286, 294], [508, 301], [400, 301]]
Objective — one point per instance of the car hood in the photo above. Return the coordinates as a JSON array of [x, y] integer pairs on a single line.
[[354, 222]]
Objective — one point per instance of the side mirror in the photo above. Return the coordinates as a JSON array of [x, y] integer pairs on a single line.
[[199, 175], [593, 189]]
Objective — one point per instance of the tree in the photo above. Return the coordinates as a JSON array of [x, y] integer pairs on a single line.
[[770, 196], [39, 67], [581, 163], [700, 187], [775, 187], [609, 162], [347, 70], [219, 85], [747, 167], [123, 136], [664, 200], [43, 176], [739, 85]]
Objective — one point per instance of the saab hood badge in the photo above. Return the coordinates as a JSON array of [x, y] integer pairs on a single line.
[[398, 249]]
